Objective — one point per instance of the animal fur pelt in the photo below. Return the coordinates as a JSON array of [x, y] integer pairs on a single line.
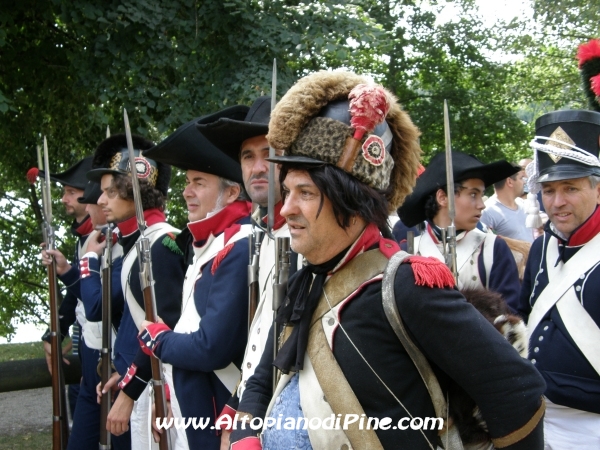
[[463, 410]]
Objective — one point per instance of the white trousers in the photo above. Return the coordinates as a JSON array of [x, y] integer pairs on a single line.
[[141, 419], [567, 428]]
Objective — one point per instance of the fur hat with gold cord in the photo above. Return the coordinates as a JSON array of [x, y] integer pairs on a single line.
[[340, 118]]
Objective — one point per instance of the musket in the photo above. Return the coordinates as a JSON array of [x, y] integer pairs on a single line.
[[271, 194], [450, 229], [254, 240], [410, 242], [105, 352], [280, 281], [60, 425], [147, 285]]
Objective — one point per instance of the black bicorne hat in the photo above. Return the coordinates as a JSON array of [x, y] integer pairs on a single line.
[[566, 145], [433, 178], [91, 193], [188, 149], [112, 157], [228, 133], [74, 176]]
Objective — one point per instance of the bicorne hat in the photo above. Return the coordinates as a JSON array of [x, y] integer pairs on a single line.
[[91, 193], [228, 133], [339, 118], [464, 167], [188, 149], [74, 176], [566, 146], [112, 157]]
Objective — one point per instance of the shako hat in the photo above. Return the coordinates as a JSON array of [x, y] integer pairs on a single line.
[[228, 132], [188, 149], [74, 176], [566, 146], [339, 118], [433, 178], [112, 157], [91, 193]]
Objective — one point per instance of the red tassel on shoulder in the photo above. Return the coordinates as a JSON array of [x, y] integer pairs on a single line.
[[430, 272], [220, 257]]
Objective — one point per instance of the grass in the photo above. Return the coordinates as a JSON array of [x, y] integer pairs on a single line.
[[17, 352], [34, 439], [31, 440]]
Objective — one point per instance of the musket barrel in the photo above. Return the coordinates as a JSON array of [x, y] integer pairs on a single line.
[[60, 426], [105, 356]]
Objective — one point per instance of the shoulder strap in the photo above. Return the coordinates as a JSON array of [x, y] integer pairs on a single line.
[[153, 232], [451, 436], [488, 256], [563, 277], [337, 390]]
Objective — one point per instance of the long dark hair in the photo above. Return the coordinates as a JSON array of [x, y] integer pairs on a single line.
[[348, 196]]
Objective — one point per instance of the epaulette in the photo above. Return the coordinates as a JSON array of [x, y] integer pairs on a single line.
[[169, 242], [220, 257], [430, 272]]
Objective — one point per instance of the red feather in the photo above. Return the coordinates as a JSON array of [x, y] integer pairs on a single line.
[[368, 107], [588, 51], [32, 175], [595, 82]]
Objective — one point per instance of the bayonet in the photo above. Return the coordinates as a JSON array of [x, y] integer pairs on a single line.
[[271, 196], [450, 229], [147, 285]]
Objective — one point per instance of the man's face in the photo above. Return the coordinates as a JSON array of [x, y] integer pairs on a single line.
[[96, 215], [72, 206], [255, 170], [115, 208], [569, 203], [320, 238], [469, 204], [519, 184], [201, 194]]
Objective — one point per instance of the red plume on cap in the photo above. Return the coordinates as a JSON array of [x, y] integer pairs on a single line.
[[595, 83], [588, 51], [32, 175], [369, 105]]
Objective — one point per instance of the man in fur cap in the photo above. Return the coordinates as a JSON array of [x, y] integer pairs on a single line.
[[483, 259], [351, 156], [245, 141], [110, 164]]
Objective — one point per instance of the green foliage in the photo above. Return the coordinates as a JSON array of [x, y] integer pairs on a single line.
[[68, 67], [17, 352]]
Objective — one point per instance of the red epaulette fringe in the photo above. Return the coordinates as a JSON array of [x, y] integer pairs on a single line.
[[220, 257], [430, 272]]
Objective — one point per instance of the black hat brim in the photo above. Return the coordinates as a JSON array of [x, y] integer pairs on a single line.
[[188, 149], [465, 167], [229, 135], [296, 160]]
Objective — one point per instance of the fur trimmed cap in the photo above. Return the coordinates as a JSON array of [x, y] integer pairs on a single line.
[[112, 156], [338, 118]]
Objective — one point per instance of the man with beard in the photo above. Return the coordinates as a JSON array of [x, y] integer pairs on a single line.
[[73, 181], [245, 142]]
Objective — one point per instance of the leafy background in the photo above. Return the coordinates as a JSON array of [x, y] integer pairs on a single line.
[[68, 67]]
